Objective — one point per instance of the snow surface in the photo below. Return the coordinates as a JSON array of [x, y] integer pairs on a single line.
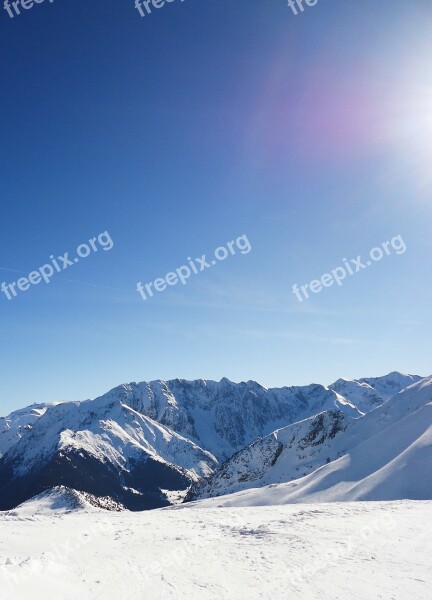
[[359, 551]]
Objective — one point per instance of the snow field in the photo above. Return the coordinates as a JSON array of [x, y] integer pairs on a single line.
[[365, 551]]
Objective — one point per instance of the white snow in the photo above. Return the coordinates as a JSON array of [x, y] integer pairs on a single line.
[[17, 423], [368, 393], [108, 430], [60, 500], [359, 551]]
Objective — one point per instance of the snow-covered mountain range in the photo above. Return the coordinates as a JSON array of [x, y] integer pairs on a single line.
[[103, 447], [224, 416], [146, 444], [386, 455]]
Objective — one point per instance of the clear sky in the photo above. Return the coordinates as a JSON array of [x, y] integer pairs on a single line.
[[180, 131]]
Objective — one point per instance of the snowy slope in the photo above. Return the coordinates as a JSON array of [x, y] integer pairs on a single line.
[[60, 500], [358, 551], [105, 448], [386, 455], [361, 394], [284, 455], [14, 425]]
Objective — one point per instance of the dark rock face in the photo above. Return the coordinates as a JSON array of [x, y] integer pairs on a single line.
[[137, 488]]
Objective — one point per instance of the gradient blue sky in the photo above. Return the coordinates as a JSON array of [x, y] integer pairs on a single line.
[[178, 132]]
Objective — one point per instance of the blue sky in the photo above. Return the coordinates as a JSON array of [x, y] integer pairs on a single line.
[[183, 130]]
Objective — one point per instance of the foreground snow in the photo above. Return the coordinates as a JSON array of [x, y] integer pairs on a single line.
[[322, 551]]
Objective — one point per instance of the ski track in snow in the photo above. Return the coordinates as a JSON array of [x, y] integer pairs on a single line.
[[340, 551]]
